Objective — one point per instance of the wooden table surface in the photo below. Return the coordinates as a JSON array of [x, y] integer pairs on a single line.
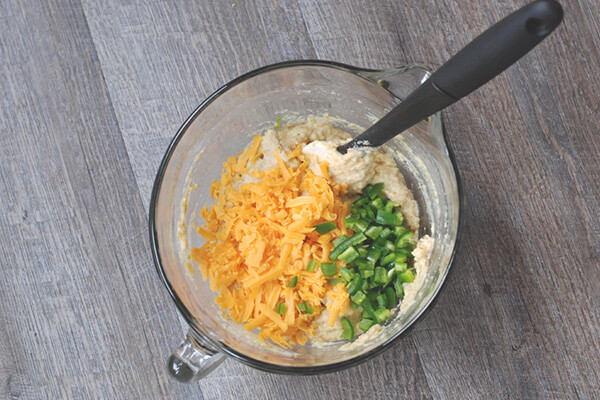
[[91, 93]]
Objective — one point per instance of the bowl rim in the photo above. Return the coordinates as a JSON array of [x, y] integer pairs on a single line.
[[194, 324]]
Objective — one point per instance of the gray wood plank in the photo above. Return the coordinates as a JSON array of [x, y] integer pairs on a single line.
[[83, 313]]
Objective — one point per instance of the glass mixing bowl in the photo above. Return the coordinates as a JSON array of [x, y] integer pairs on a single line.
[[221, 127]]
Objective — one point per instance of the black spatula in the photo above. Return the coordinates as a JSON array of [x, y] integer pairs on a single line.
[[480, 61]]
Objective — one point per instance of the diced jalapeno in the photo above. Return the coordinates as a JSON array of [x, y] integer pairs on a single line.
[[281, 308], [358, 297], [407, 276], [381, 314], [345, 274], [348, 332], [390, 297], [312, 265], [325, 227], [349, 255], [365, 324], [373, 231], [385, 218], [339, 240], [293, 282], [374, 190], [355, 285], [305, 308], [380, 275], [328, 269], [351, 241]]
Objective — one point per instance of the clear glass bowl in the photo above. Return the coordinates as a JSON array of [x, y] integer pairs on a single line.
[[221, 127]]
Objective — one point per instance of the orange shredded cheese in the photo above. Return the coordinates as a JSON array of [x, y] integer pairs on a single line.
[[260, 235]]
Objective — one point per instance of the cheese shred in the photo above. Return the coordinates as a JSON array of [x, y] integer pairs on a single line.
[[259, 235]]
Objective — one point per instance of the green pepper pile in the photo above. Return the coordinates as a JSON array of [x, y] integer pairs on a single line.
[[378, 258]]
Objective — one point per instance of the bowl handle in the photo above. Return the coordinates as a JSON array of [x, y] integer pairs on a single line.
[[193, 359], [399, 81]]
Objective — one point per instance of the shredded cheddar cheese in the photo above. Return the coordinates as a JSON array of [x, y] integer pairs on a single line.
[[261, 235]]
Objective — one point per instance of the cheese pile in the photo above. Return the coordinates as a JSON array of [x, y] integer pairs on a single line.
[[261, 235]]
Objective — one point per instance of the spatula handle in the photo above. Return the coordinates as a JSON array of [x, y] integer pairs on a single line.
[[498, 48], [480, 61]]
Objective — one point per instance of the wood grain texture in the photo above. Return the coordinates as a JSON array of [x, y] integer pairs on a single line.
[[77, 317], [92, 93]]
